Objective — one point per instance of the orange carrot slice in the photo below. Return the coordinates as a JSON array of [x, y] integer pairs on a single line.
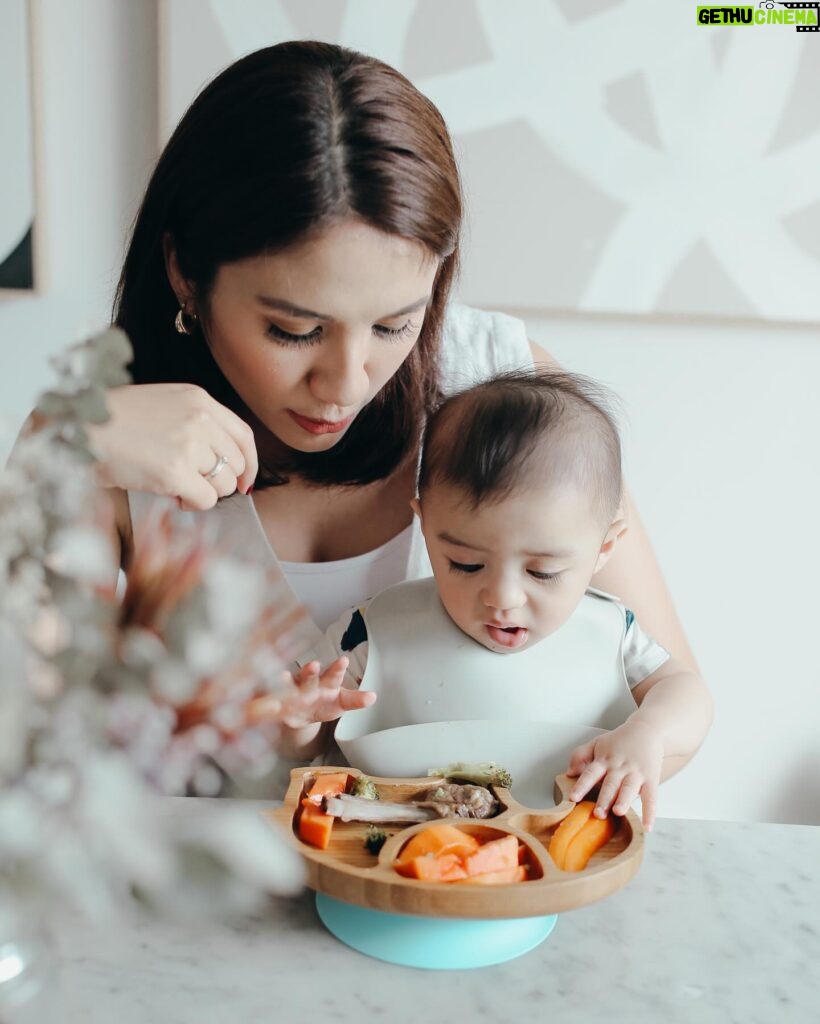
[[568, 830], [436, 840], [595, 834], [497, 855]]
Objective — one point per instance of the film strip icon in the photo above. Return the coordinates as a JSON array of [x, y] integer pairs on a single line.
[[802, 7]]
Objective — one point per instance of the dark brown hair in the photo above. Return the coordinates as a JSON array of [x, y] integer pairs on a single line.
[[490, 440], [281, 145]]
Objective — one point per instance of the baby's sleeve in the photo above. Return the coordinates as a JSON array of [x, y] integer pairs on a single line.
[[642, 654]]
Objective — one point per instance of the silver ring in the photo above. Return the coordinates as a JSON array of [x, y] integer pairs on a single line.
[[221, 461]]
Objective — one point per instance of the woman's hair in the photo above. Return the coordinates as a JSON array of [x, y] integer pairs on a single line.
[[522, 427], [280, 146]]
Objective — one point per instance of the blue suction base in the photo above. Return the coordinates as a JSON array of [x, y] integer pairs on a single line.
[[437, 943]]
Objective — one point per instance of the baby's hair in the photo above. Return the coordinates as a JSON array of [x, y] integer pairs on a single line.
[[545, 424]]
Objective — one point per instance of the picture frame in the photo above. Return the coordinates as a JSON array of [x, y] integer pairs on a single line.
[[21, 197]]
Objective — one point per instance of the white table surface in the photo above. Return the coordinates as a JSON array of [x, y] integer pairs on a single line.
[[721, 924]]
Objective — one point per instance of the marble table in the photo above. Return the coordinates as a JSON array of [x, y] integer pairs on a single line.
[[721, 925]]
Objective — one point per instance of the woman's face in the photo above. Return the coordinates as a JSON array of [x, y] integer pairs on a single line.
[[308, 336]]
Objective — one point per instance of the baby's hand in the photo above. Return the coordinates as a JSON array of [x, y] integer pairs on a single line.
[[628, 759], [319, 696]]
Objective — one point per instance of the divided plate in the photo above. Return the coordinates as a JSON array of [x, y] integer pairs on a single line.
[[347, 871]]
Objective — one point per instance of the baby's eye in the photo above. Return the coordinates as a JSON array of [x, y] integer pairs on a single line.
[[462, 567], [544, 577]]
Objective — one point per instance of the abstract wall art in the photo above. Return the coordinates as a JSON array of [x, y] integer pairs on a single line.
[[618, 155]]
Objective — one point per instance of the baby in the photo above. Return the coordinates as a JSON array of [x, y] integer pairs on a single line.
[[519, 498]]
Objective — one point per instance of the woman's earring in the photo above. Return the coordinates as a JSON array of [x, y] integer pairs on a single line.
[[185, 322]]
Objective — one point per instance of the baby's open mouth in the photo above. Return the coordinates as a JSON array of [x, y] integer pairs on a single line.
[[507, 636]]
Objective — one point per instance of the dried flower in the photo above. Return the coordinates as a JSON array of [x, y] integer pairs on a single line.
[[107, 702]]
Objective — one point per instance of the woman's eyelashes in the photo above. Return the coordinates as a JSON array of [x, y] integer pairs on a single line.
[[312, 337], [472, 567]]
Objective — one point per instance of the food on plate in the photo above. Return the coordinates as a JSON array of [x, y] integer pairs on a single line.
[[482, 773], [375, 839], [326, 784], [365, 787], [444, 853], [580, 835], [314, 826], [445, 800]]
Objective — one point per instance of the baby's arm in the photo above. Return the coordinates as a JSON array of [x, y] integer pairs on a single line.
[[673, 716]]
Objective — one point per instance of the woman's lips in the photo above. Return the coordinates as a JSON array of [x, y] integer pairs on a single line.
[[319, 426], [507, 636]]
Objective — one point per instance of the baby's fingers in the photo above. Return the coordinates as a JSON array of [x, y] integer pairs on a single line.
[[307, 678], [334, 674], [589, 777], [649, 802], [580, 758], [630, 787], [353, 700]]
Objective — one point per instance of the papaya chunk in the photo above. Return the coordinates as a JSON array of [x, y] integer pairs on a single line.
[[447, 867], [315, 827], [595, 834], [497, 855], [327, 784], [506, 877], [436, 840], [568, 830]]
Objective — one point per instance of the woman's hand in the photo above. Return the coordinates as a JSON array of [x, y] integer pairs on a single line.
[[628, 760], [167, 438]]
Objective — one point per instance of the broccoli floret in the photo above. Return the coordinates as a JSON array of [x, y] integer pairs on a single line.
[[365, 788], [485, 773], [375, 839]]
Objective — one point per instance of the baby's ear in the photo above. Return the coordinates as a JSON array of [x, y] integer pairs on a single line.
[[617, 528], [415, 504]]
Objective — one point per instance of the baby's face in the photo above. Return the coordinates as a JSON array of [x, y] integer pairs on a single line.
[[513, 571]]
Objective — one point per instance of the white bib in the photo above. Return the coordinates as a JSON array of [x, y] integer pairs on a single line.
[[425, 669]]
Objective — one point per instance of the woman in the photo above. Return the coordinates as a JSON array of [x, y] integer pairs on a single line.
[[286, 292]]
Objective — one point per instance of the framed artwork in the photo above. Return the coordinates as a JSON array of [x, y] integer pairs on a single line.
[[19, 227], [618, 157]]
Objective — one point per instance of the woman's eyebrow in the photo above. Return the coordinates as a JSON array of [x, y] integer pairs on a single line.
[[309, 314]]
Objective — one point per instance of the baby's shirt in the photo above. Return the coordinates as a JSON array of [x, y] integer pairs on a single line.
[[348, 635]]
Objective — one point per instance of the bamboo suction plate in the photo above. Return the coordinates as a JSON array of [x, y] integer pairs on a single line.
[[365, 903]]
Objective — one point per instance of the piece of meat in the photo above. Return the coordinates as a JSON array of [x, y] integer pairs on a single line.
[[451, 799], [357, 808], [444, 800]]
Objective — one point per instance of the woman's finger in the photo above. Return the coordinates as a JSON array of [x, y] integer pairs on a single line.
[[242, 436]]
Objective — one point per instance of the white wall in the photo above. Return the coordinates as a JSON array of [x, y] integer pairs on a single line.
[[720, 436], [721, 428], [96, 90]]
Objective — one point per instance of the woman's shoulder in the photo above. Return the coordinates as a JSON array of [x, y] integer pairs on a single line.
[[477, 343]]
